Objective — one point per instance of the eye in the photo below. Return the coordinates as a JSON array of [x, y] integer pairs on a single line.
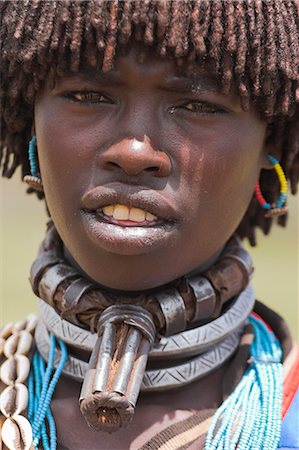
[[200, 108], [87, 97]]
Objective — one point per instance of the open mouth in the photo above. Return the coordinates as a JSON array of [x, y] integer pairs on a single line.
[[128, 220], [125, 230], [127, 216]]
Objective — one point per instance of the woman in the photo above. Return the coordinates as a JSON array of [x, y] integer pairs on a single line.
[[148, 125]]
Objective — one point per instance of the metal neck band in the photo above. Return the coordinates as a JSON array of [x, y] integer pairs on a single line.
[[129, 328], [183, 358]]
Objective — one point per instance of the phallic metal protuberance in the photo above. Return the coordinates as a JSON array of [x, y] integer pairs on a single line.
[[112, 383]]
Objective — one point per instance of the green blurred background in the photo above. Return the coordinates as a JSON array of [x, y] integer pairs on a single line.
[[23, 220]]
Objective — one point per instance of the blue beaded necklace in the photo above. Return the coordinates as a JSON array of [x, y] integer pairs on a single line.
[[249, 419], [41, 389]]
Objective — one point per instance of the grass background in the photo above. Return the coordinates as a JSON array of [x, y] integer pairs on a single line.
[[23, 220]]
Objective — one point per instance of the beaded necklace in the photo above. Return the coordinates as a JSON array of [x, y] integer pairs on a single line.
[[249, 419], [41, 389]]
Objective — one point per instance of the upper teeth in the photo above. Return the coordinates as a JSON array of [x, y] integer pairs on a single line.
[[122, 212]]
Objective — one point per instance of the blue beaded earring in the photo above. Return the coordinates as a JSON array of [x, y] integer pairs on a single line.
[[34, 179]]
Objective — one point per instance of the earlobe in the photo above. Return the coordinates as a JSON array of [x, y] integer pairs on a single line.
[[33, 128], [270, 147]]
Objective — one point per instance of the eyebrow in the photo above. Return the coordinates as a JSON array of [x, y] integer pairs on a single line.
[[181, 84], [100, 77], [194, 83]]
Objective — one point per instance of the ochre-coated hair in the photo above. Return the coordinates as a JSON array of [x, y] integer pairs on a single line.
[[251, 44]]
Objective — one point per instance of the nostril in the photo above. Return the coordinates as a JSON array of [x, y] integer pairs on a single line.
[[114, 165], [152, 169]]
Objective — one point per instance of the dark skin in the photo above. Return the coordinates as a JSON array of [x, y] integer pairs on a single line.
[[149, 136], [133, 138], [154, 412]]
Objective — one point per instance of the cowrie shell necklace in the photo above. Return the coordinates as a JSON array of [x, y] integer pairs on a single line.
[[16, 342]]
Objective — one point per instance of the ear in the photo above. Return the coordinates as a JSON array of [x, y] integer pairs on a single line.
[[271, 147], [32, 129]]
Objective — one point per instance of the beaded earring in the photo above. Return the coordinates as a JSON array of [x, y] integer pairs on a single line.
[[34, 179], [279, 208]]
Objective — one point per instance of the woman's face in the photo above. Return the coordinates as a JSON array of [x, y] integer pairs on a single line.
[[147, 169]]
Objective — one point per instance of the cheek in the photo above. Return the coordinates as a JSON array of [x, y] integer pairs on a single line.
[[220, 173], [67, 153]]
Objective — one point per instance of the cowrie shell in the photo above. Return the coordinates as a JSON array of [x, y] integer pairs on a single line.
[[6, 330], [31, 323], [15, 369], [2, 420], [17, 433], [18, 343], [2, 344], [14, 400], [19, 326]]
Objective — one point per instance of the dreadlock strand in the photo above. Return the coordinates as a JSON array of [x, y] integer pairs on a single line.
[[144, 8], [293, 35], [257, 44], [89, 53], [47, 33], [136, 11], [66, 29], [39, 29], [241, 52], [271, 55], [21, 20], [111, 38], [59, 13], [200, 24], [294, 175], [7, 15], [126, 24], [32, 19], [163, 20], [292, 158], [283, 49], [216, 33], [98, 20], [150, 26], [284, 104], [76, 36], [175, 18], [271, 78], [177, 28], [186, 12], [229, 45]]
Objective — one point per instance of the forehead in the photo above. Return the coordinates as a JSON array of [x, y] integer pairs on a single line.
[[138, 68], [139, 62]]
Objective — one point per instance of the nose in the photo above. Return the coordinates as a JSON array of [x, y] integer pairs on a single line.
[[136, 157]]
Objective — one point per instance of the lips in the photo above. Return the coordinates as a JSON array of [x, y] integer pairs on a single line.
[[126, 203], [122, 235]]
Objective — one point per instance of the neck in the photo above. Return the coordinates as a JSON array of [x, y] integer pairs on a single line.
[[128, 327], [131, 293]]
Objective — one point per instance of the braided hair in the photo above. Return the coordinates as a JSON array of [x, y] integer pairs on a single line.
[[253, 45]]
